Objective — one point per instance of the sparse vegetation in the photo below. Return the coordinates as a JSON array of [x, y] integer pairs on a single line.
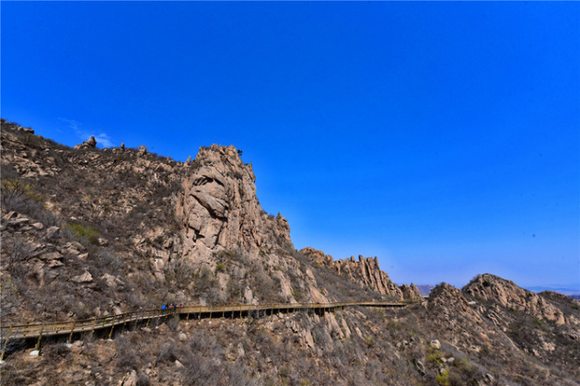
[[83, 233]]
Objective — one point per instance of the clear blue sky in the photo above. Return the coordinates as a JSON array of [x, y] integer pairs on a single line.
[[443, 138]]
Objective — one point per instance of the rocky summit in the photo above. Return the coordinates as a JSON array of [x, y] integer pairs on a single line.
[[221, 211], [123, 267]]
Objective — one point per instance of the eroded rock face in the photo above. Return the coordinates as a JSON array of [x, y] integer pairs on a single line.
[[220, 209], [365, 271], [507, 294]]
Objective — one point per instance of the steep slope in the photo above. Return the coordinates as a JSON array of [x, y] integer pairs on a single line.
[[544, 325]]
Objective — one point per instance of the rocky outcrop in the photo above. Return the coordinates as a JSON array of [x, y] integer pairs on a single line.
[[220, 209], [365, 271], [489, 288], [89, 144]]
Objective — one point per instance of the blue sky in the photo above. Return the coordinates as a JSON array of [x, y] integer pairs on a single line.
[[442, 137]]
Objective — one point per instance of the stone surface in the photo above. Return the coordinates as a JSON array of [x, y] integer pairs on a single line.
[[84, 278], [507, 294], [365, 272], [435, 344], [220, 209]]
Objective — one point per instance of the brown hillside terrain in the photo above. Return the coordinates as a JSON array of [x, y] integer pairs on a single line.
[[89, 232]]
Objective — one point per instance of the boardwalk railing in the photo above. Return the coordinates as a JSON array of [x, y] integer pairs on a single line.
[[45, 329]]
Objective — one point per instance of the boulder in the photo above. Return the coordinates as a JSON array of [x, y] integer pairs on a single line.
[[91, 143], [435, 344], [84, 278]]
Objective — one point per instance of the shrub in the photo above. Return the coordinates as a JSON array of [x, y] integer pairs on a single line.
[[443, 379], [220, 267], [126, 355], [142, 380], [435, 358], [20, 197], [538, 322], [83, 233], [298, 295], [167, 353], [369, 341], [15, 190], [32, 140]]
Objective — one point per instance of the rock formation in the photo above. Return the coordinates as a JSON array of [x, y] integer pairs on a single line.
[[365, 271], [220, 209], [89, 144], [505, 293]]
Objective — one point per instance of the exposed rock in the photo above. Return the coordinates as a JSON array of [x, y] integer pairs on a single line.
[[129, 380], [435, 344], [490, 288], [220, 210], [89, 144], [52, 231], [111, 281], [365, 272], [92, 142], [50, 256], [420, 367], [38, 226], [84, 278]]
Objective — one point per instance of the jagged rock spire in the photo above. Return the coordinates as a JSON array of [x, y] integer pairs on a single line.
[[220, 209]]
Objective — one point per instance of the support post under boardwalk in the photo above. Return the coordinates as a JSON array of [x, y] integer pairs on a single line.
[[6, 343], [72, 329], [39, 337], [112, 327]]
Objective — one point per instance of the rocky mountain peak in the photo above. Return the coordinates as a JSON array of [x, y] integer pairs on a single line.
[[220, 209], [365, 271], [505, 293]]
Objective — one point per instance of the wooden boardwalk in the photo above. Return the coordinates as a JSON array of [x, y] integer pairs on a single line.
[[70, 327]]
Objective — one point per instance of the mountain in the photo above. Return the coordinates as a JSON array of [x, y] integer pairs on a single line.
[[90, 233], [425, 289]]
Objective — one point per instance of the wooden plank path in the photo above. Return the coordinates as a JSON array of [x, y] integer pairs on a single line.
[[70, 327]]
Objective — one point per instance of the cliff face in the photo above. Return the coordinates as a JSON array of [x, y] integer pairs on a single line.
[[365, 272], [220, 208]]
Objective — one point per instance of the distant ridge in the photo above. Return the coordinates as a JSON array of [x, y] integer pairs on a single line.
[[562, 289]]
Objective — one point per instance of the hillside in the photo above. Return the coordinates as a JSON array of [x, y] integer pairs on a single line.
[[89, 232]]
